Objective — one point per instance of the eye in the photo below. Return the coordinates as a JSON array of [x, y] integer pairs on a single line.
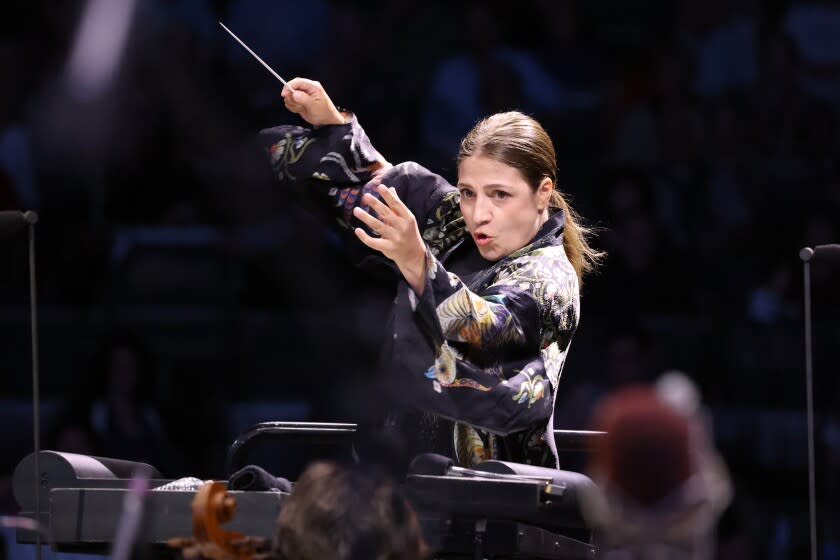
[[501, 194], [466, 193]]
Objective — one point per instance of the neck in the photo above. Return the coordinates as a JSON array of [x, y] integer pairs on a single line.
[[542, 218]]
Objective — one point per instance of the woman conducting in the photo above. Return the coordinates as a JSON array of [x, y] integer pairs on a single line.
[[488, 273]]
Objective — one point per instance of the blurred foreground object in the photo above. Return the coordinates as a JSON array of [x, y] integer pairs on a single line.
[[343, 513], [98, 47], [211, 507], [661, 486]]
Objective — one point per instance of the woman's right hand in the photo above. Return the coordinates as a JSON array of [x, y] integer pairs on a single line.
[[310, 100]]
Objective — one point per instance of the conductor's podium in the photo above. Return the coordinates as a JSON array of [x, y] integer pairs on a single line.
[[503, 510]]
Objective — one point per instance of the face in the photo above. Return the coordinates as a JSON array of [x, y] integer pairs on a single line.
[[503, 213]]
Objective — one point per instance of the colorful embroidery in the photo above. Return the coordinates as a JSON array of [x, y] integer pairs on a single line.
[[446, 364], [466, 317], [286, 152], [446, 226], [532, 388], [469, 383], [443, 372], [473, 446]]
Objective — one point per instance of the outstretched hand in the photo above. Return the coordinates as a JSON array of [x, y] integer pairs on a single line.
[[310, 100], [399, 237]]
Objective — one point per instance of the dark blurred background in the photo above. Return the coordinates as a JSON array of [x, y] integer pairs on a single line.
[[184, 297]]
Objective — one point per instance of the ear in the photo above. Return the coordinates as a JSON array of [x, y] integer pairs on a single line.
[[544, 193]]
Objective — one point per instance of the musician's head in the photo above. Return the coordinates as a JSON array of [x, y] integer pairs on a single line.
[[342, 513], [507, 171]]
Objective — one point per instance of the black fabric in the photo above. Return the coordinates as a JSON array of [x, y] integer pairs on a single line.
[[256, 479], [487, 352], [431, 464], [466, 262]]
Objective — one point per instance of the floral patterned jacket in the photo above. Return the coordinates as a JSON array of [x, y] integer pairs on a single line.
[[481, 359]]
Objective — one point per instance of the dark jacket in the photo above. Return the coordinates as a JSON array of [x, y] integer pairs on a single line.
[[481, 359]]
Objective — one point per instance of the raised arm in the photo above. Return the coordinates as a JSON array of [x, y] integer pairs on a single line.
[[310, 100], [333, 164]]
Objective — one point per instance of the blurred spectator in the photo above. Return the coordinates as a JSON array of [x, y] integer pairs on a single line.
[[626, 362], [726, 203], [722, 39], [490, 76], [624, 193], [680, 176], [813, 25], [638, 138], [18, 184], [577, 68], [792, 132], [72, 433], [643, 273], [119, 402], [342, 513], [661, 485], [774, 301]]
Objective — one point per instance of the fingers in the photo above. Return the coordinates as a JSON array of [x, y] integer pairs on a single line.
[[310, 87], [389, 194], [304, 90], [289, 100], [380, 207], [372, 242], [374, 224], [301, 97], [292, 106], [389, 205]]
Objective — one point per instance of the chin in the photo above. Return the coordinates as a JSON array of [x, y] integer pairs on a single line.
[[490, 254]]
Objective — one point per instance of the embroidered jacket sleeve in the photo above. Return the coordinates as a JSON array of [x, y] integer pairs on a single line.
[[331, 167], [498, 350], [489, 357]]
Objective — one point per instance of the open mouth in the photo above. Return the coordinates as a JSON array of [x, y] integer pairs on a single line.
[[482, 238]]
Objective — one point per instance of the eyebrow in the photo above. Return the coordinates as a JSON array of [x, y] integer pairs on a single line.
[[487, 186]]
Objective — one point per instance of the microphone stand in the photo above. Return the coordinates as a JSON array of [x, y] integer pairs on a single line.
[[32, 219], [806, 254]]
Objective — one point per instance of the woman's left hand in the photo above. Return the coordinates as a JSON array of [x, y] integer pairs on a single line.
[[399, 238]]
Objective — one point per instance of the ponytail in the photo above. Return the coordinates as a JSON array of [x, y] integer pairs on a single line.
[[581, 254]]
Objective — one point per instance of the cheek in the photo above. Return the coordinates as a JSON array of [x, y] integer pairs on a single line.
[[519, 223]]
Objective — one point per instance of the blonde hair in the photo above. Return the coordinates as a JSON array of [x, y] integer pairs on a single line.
[[519, 141]]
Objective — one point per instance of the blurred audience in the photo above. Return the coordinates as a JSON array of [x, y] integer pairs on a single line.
[[341, 513], [625, 361], [813, 26], [661, 484], [488, 76], [116, 411]]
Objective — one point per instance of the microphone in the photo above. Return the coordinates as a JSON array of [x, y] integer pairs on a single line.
[[12, 221], [822, 252]]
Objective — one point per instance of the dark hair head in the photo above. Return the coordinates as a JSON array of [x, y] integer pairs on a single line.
[[342, 513], [645, 452], [518, 140]]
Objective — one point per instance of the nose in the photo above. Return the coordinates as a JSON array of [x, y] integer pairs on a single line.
[[483, 210]]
